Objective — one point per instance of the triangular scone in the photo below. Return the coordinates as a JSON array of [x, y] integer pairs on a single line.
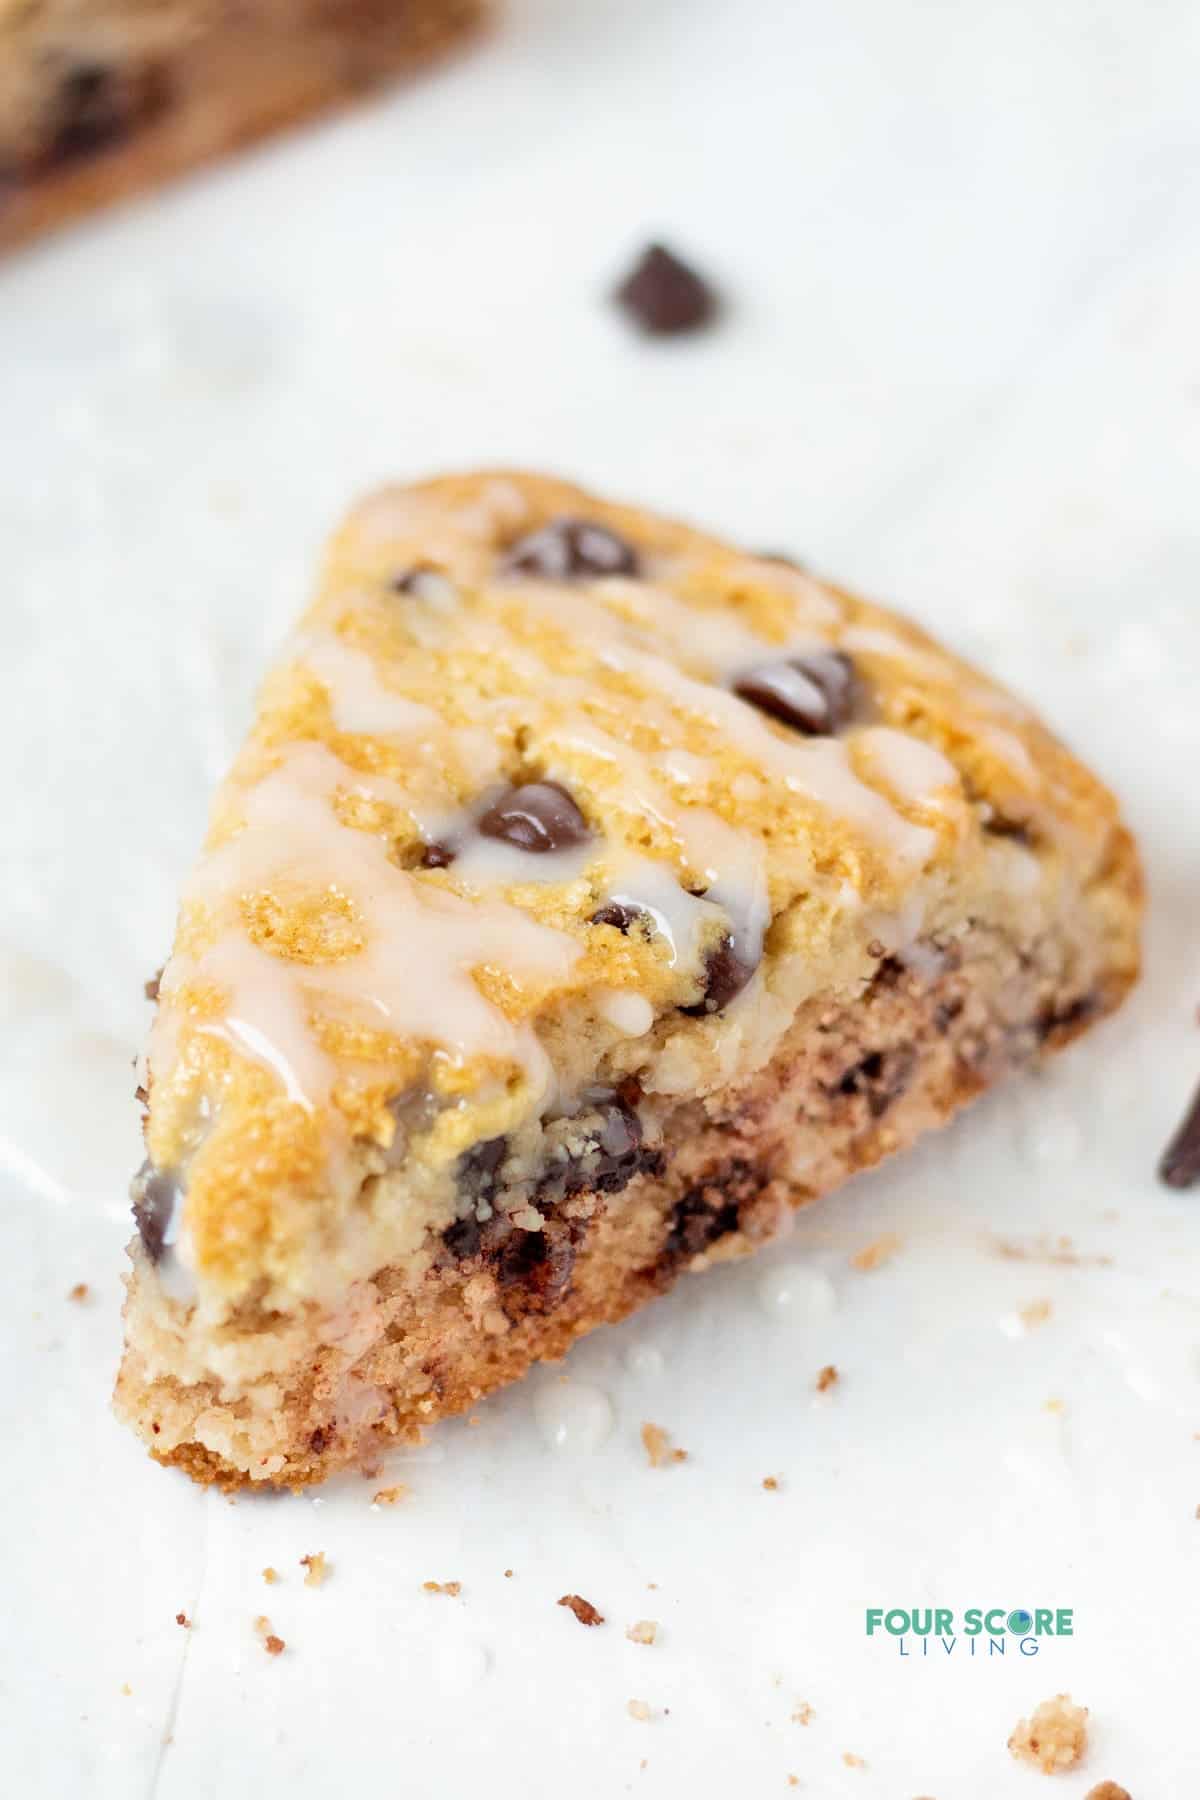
[[588, 894]]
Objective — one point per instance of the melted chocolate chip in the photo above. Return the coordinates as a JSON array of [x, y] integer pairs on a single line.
[[1180, 1163], [664, 296], [437, 856], [539, 816], [881, 1076], [464, 1238], [572, 549], [97, 104], [697, 1221], [618, 914], [534, 1269], [156, 1196], [725, 975], [478, 1167], [814, 694], [607, 1163]]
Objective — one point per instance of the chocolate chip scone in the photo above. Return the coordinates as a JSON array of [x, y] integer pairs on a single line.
[[588, 895], [99, 98]]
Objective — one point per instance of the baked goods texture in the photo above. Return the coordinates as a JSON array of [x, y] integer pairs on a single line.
[[100, 99], [588, 895]]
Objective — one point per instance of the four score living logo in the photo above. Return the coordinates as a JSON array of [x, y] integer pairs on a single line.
[[979, 1631]]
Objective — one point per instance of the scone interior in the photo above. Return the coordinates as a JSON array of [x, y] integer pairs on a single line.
[[588, 895]]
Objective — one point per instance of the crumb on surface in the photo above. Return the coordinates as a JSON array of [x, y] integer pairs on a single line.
[[876, 1253], [643, 1631], [1036, 1313], [583, 1609], [1107, 1790], [270, 1576], [274, 1646], [317, 1568], [508, 1574], [181, 1618], [443, 1587], [656, 1441], [793, 1781], [853, 1762], [1056, 1406], [390, 1496], [638, 1709], [802, 1713], [79, 1292], [1054, 1737], [125, 1688], [826, 1378], [771, 1483]]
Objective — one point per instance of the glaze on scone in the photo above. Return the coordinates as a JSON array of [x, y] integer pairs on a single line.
[[588, 894]]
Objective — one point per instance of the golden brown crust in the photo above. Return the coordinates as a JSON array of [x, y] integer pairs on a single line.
[[207, 87], [724, 1194]]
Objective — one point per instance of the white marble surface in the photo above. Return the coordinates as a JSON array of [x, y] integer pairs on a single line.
[[961, 370]]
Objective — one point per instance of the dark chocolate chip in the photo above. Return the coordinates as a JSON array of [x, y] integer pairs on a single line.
[[572, 549], [156, 1196], [537, 816], [1017, 831], [150, 988], [464, 1238], [613, 1155], [664, 296], [1057, 1025], [881, 1076], [320, 1437], [424, 582], [437, 856], [535, 1267], [618, 914], [725, 975], [1180, 1163], [478, 1167], [814, 694], [97, 104], [697, 1222]]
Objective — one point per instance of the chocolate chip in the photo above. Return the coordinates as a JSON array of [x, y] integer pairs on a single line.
[[608, 1161], [664, 296], [1180, 1163], [697, 1221], [424, 582], [534, 1270], [725, 975], [464, 1238], [814, 694], [97, 103], [572, 549], [478, 1167], [156, 1196], [151, 988], [437, 856], [618, 914], [538, 816], [881, 1076]]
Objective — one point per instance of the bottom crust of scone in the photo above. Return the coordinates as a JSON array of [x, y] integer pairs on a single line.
[[109, 123], [848, 1085]]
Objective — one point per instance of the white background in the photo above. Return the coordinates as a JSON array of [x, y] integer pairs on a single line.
[[960, 369]]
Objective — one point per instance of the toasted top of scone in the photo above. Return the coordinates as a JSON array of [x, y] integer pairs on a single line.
[[545, 793]]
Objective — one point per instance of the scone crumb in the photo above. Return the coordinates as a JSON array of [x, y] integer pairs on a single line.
[[317, 1568], [1107, 1790], [1036, 1313], [583, 1609], [126, 1689], [508, 1574], [876, 1253], [270, 1576], [638, 1709], [390, 1496], [826, 1378], [853, 1762], [1056, 1406], [771, 1483], [443, 1587], [181, 1618], [793, 1781], [657, 1444], [643, 1632], [274, 1646], [79, 1292], [1054, 1738], [802, 1714]]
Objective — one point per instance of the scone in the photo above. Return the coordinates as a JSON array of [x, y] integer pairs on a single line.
[[99, 98], [588, 895]]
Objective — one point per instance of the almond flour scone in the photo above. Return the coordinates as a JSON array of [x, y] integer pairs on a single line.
[[99, 98], [588, 895]]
